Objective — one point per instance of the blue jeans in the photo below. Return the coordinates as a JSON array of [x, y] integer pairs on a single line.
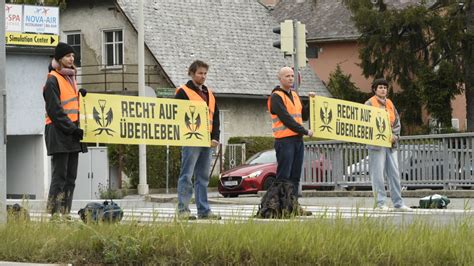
[[194, 161], [384, 162], [290, 154]]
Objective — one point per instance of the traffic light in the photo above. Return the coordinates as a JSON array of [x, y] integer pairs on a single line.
[[285, 44], [302, 46]]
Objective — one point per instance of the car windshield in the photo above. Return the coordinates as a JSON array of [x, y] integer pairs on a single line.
[[263, 157]]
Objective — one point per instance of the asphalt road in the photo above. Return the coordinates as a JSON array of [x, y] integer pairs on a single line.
[[161, 208]]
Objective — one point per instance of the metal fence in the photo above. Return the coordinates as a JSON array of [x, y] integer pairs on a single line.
[[116, 78], [428, 161]]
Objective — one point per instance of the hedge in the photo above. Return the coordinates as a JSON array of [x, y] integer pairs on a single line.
[[156, 163]]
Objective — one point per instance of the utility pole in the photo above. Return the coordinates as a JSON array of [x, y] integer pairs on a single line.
[[296, 69], [3, 121], [142, 183]]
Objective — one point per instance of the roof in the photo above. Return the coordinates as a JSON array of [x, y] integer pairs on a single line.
[[234, 37], [326, 20]]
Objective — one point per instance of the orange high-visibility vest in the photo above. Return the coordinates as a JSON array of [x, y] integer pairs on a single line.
[[294, 108], [389, 107], [68, 96], [194, 96]]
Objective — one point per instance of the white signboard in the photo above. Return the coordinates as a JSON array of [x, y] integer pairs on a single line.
[[41, 19], [13, 18]]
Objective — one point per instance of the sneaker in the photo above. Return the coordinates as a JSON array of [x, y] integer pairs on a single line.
[[303, 212], [210, 216], [55, 217], [66, 217], [185, 216], [382, 208], [403, 208]]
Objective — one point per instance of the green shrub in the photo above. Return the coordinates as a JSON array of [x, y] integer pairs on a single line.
[[109, 193], [214, 181], [156, 163]]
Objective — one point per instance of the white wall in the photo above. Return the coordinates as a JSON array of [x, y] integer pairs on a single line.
[[26, 74], [25, 166], [25, 78]]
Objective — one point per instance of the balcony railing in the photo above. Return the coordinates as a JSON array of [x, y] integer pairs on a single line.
[[116, 78]]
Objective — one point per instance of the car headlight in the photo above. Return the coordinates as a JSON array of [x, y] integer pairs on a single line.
[[253, 175]]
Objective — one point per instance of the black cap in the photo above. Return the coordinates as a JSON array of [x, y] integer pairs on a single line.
[[62, 49]]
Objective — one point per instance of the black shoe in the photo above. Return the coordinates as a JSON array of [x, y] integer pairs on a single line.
[[302, 212], [210, 216], [185, 216]]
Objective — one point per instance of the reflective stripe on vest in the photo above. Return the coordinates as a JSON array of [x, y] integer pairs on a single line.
[[68, 96], [194, 96], [389, 107], [294, 108]]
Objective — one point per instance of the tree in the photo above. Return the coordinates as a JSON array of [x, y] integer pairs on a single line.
[[341, 87], [60, 3], [419, 48], [469, 65]]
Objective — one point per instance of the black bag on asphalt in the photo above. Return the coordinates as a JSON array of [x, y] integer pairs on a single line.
[[101, 212], [434, 201], [279, 201]]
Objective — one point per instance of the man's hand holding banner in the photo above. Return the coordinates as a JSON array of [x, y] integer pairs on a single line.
[[142, 120], [349, 121]]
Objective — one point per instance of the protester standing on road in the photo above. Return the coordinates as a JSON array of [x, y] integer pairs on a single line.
[[196, 160], [382, 159], [62, 132], [288, 113]]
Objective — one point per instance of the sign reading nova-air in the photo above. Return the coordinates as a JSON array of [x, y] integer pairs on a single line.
[[143, 120], [349, 121]]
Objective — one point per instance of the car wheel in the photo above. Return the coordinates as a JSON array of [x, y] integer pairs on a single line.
[[268, 182]]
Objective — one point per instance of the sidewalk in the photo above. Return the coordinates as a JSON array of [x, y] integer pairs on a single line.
[[460, 199]]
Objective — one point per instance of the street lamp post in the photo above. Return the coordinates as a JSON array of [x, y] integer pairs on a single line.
[[142, 183], [3, 120]]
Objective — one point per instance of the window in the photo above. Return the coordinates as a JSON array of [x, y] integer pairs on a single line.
[[74, 39], [113, 48]]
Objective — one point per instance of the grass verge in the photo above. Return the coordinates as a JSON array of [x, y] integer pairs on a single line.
[[364, 241]]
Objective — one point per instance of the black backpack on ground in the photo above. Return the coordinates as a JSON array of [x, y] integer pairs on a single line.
[[279, 201], [101, 212], [17, 213]]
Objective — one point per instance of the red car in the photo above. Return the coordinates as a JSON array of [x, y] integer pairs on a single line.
[[257, 174]]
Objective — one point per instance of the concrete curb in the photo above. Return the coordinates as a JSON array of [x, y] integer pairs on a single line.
[[173, 198], [406, 193], [162, 198]]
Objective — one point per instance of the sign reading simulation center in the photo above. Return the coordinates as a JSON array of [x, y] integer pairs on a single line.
[[143, 120], [349, 121], [14, 38]]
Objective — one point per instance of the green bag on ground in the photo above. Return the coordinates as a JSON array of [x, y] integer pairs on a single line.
[[434, 201]]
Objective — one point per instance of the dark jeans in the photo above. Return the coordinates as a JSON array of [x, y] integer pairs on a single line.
[[290, 154], [63, 182]]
